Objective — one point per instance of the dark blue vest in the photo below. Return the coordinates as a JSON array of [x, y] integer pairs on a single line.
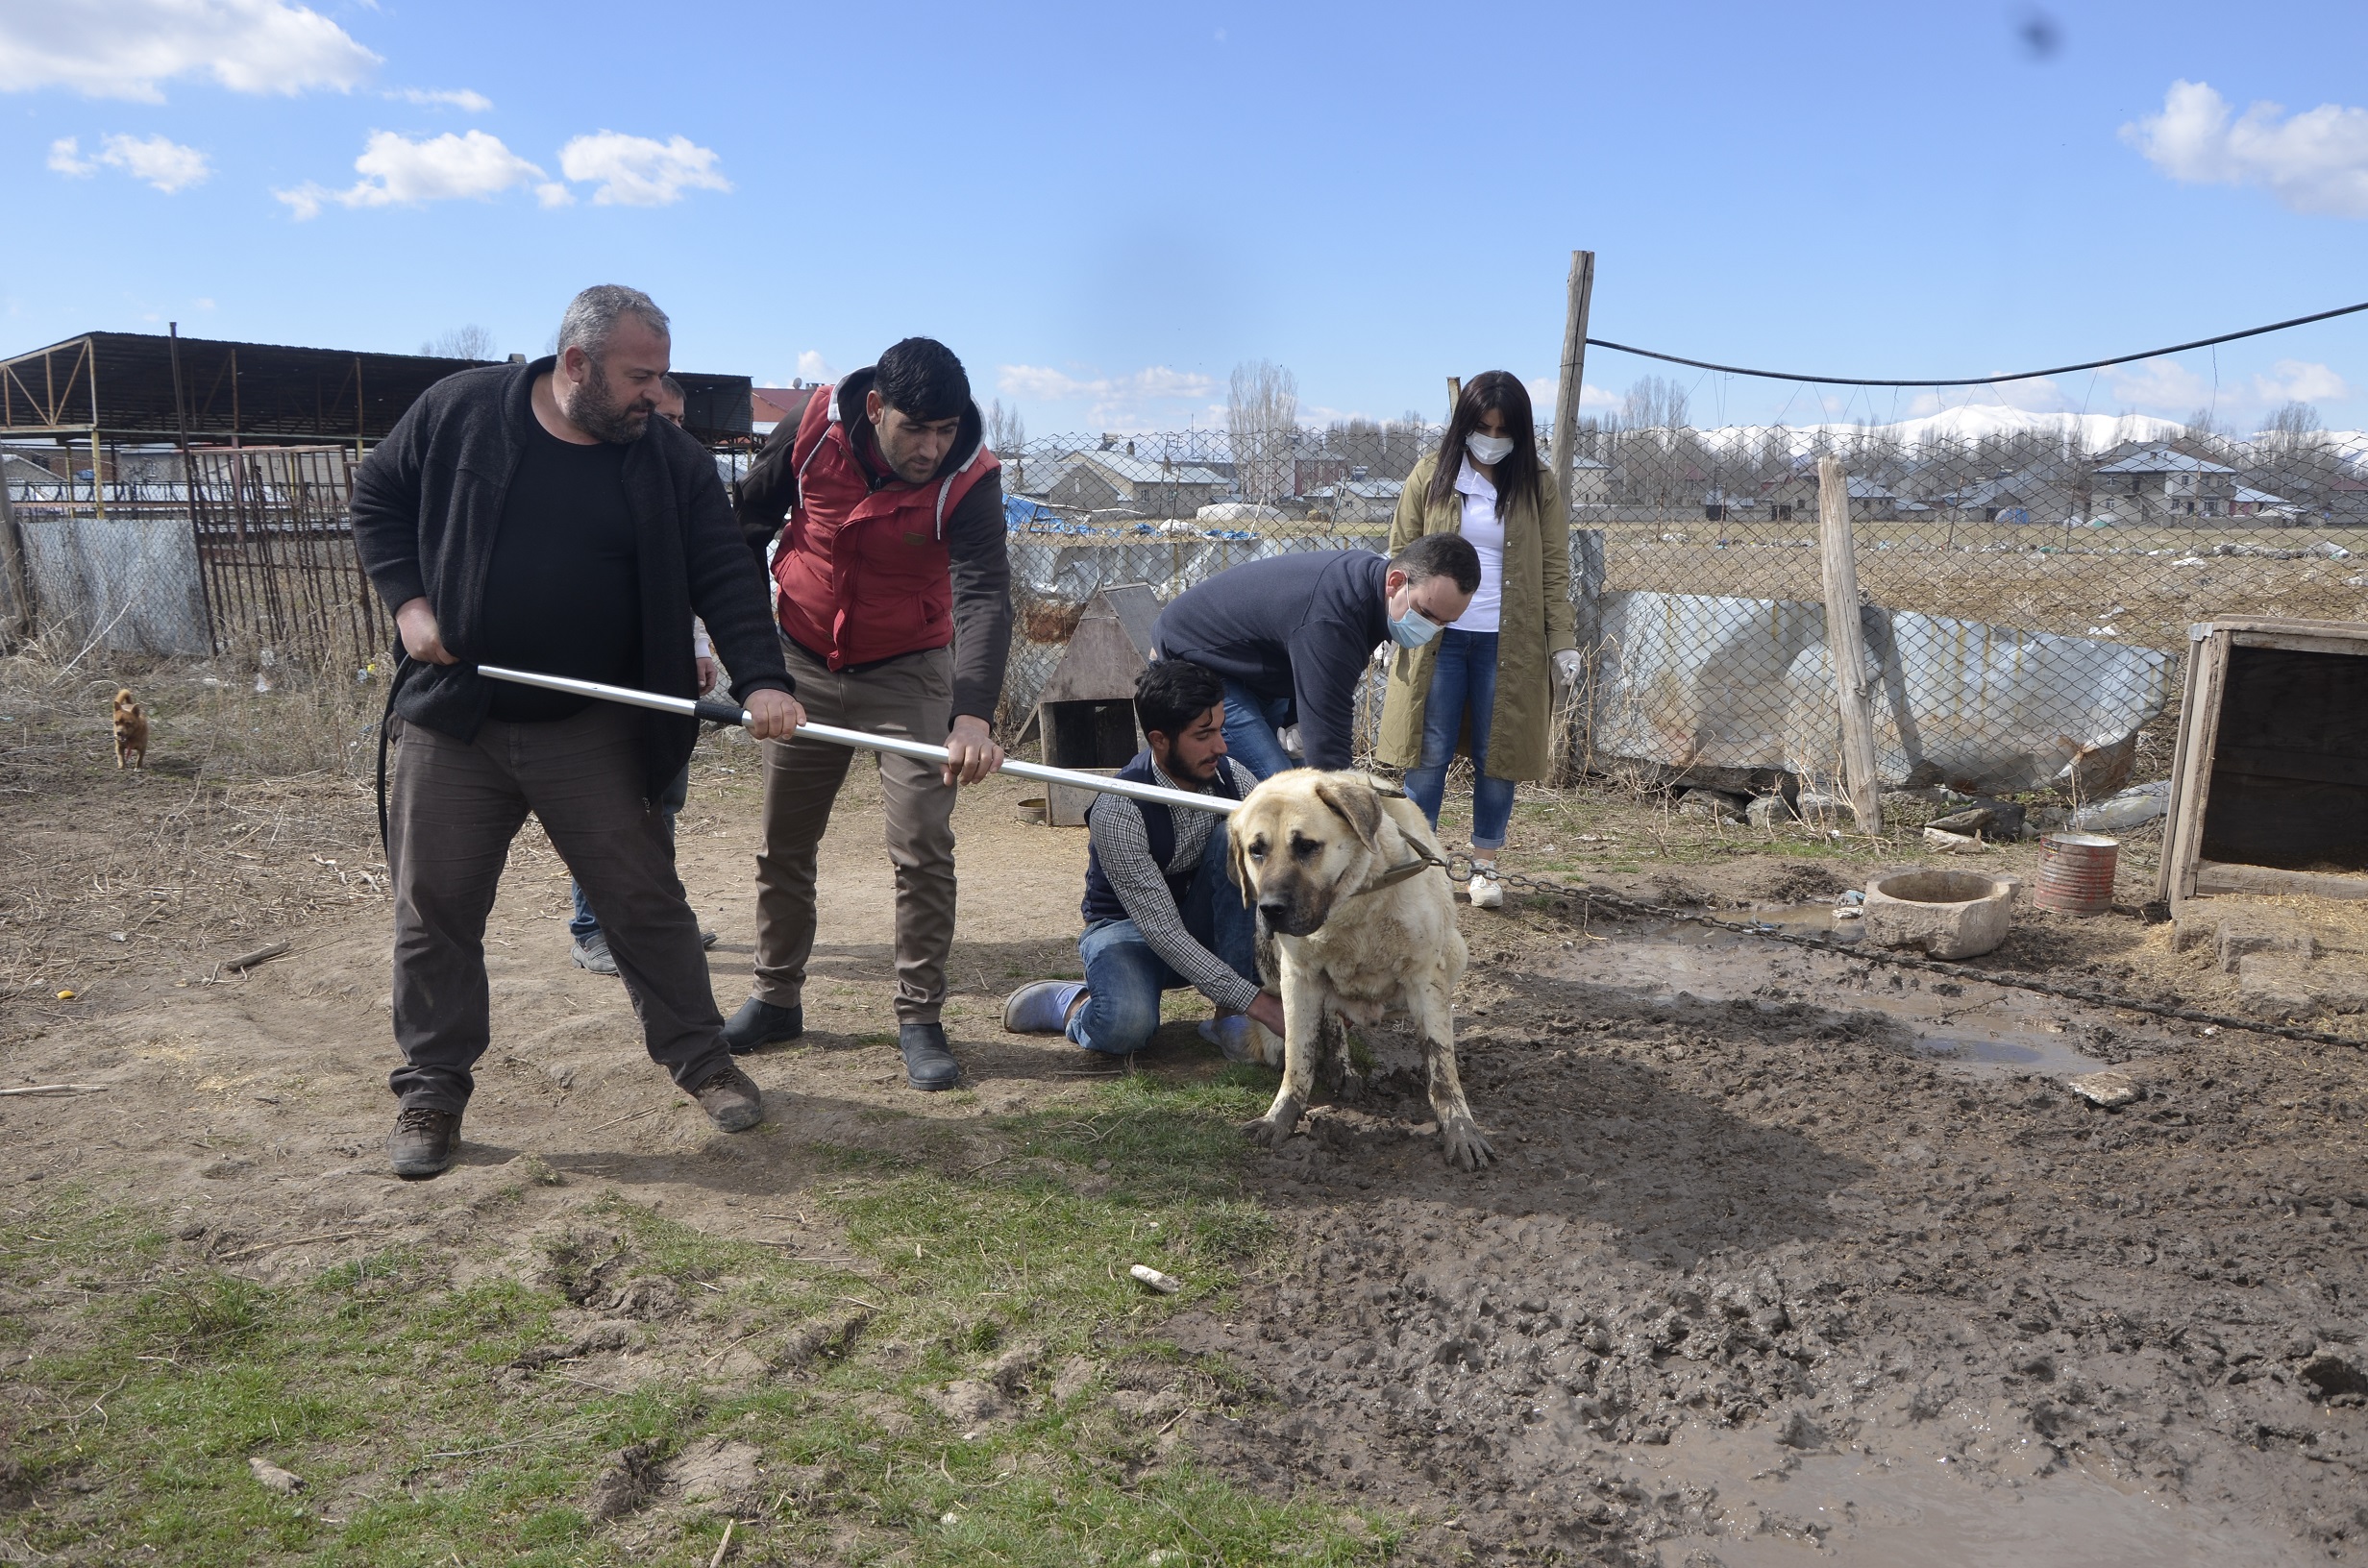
[[1101, 899]]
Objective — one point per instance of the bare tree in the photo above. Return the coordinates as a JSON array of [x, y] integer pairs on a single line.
[[1653, 403], [2294, 428], [1262, 414], [2204, 426], [1006, 430], [469, 342]]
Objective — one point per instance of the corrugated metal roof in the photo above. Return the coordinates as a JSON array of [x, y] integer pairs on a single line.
[[1144, 471], [2163, 460]]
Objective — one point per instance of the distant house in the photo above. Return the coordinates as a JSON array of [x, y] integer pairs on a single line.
[[1796, 496], [1096, 481], [1361, 501], [2156, 481], [2012, 499], [2250, 502], [1591, 482]]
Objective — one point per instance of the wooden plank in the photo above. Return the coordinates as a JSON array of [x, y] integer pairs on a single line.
[[2199, 732], [1846, 642], [2219, 876], [2279, 762], [2167, 881], [2288, 642]]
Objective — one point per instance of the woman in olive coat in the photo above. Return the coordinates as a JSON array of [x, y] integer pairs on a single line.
[[1487, 679]]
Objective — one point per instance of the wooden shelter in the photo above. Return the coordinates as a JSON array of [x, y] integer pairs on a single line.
[[2269, 789], [1085, 714]]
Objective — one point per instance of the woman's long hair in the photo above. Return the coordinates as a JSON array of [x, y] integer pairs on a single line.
[[1493, 391]]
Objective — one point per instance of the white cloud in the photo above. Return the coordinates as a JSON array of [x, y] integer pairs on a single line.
[[1112, 401], [1544, 389], [128, 48], [2163, 385], [813, 367], [460, 98], [1056, 386], [397, 171], [2315, 161], [2298, 381], [159, 160], [636, 171]]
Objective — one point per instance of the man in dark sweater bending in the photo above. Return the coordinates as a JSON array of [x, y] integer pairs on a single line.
[[1291, 637], [536, 516]]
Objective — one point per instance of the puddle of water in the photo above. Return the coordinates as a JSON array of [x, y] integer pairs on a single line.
[[1987, 1030], [1919, 1504]]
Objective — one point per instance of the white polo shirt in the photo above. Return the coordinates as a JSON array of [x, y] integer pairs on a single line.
[[1487, 532]]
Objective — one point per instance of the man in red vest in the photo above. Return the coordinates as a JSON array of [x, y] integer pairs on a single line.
[[895, 608]]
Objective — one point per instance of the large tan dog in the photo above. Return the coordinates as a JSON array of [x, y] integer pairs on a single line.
[[1348, 879]]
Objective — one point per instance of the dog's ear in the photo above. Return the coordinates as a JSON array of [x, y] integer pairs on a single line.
[[1237, 863], [1355, 803]]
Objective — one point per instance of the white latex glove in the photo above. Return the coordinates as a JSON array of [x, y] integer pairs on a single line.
[[1568, 666], [1288, 737]]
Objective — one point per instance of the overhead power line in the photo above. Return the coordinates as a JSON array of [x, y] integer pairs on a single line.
[[1978, 381]]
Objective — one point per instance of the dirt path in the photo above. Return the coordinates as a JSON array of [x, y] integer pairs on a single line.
[[1761, 1273]]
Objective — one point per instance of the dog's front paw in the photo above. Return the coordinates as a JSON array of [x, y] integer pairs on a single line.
[[1465, 1144], [1274, 1129]]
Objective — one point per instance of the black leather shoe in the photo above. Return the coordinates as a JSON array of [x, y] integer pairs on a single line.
[[423, 1141], [761, 1023], [929, 1066]]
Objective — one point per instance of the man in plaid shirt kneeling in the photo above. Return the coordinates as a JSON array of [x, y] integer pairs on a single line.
[[1160, 911]]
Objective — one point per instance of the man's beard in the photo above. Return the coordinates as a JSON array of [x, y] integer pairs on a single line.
[[595, 412]]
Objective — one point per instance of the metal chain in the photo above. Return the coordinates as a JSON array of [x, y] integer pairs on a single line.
[[1462, 867]]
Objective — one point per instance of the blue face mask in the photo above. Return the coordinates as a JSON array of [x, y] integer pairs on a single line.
[[1413, 629]]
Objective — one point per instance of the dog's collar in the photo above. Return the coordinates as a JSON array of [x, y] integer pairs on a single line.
[[1405, 870]]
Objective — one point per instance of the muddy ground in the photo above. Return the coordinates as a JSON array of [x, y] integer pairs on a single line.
[[1791, 1257]]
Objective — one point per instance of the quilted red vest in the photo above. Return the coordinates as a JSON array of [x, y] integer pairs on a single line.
[[863, 572]]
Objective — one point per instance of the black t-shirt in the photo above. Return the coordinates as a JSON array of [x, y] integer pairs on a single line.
[[563, 592]]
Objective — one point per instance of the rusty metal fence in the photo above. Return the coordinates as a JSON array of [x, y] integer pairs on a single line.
[[276, 554]]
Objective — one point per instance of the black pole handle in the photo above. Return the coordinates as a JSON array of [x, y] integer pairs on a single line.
[[717, 712]]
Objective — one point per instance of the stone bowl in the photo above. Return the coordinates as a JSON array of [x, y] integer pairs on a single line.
[[1948, 914]]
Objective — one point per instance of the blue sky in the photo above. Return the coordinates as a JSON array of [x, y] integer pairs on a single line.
[[1105, 209]]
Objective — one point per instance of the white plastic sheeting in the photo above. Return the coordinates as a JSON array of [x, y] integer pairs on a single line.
[[1691, 680]]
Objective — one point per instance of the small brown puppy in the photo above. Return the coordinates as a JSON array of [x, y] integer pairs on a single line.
[[131, 730]]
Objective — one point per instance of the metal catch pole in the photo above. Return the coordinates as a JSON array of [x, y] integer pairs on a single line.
[[719, 712]]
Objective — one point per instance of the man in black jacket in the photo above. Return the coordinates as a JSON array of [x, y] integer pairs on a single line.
[[536, 516]]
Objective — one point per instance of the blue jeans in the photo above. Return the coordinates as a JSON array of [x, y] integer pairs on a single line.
[[584, 924], [1463, 680], [1250, 723], [1124, 976]]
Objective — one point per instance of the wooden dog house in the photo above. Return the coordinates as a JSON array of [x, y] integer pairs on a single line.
[[1085, 715], [2269, 789]]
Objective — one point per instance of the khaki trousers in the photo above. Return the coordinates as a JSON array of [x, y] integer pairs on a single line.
[[911, 696]]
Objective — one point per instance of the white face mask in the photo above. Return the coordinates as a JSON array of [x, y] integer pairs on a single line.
[[1488, 448]]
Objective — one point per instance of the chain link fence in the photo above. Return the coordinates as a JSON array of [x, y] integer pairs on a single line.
[[2024, 599]]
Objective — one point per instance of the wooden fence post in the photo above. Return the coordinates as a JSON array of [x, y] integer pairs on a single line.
[[1845, 644], [1586, 545]]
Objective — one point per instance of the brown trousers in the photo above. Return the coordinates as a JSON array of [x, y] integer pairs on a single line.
[[910, 697], [452, 809]]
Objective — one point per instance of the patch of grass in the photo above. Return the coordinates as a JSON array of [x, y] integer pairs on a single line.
[[387, 1388]]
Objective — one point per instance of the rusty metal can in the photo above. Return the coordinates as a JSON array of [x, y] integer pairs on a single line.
[[2076, 873]]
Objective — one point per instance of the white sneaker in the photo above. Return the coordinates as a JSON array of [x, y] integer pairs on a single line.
[[1486, 893]]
